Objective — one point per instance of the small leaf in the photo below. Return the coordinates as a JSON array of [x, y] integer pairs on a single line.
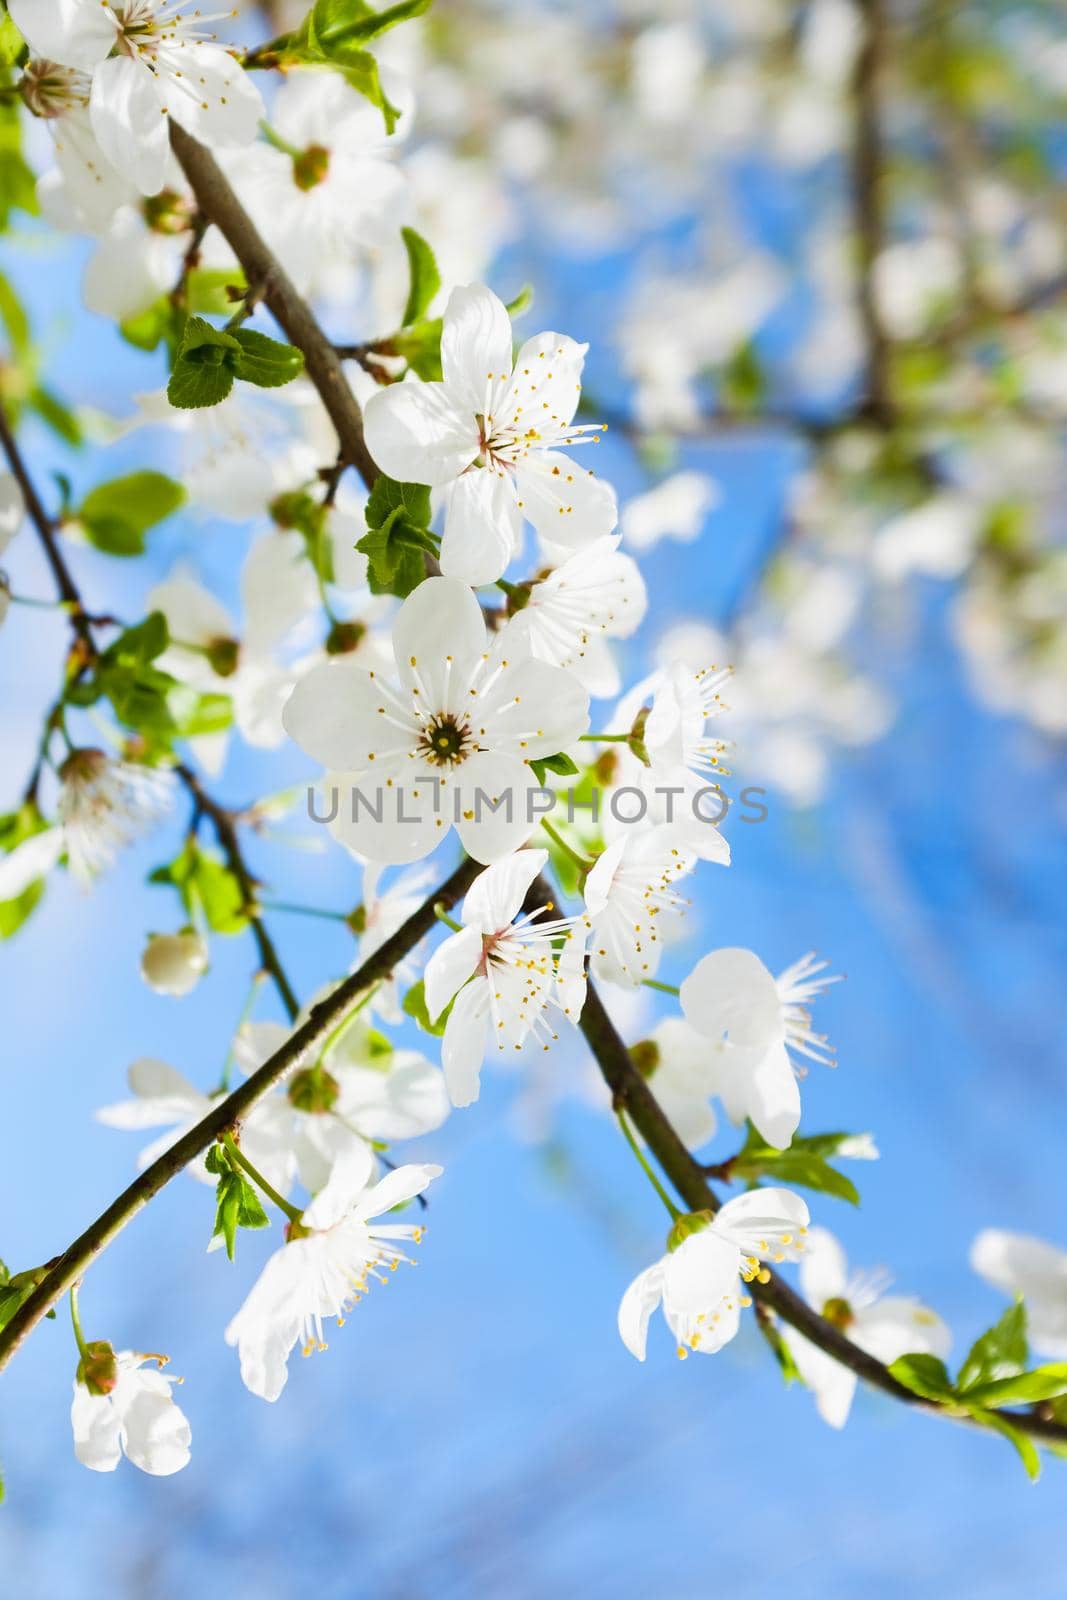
[[265, 362], [1001, 1352], [924, 1375], [522, 301], [14, 828], [560, 764], [1024, 1388], [415, 1006], [203, 367], [1021, 1442], [424, 278], [117, 515]]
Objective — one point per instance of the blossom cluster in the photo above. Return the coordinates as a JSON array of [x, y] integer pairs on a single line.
[[450, 643]]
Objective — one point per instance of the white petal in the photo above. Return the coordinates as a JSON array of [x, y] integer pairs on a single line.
[[157, 1434], [194, 616], [438, 635], [69, 31], [448, 969], [760, 1222], [534, 709], [772, 1094], [97, 1430], [12, 509], [129, 121], [395, 1189], [163, 1096], [408, 1100], [730, 994], [547, 382], [494, 780], [476, 348], [483, 526], [335, 714], [393, 822], [832, 1384], [30, 860], [266, 1327], [823, 1268], [899, 1325], [350, 1176], [636, 1307], [225, 108], [464, 1044], [278, 588], [567, 504], [416, 434], [495, 897]]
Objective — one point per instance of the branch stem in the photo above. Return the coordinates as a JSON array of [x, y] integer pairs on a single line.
[[236, 1154]]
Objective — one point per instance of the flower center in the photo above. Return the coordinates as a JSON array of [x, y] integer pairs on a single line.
[[52, 91], [311, 166], [445, 741], [838, 1312]]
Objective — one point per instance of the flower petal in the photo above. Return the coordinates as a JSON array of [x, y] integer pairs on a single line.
[[636, 1307], [731, 995], [226, 109], [128, 121], [438, 636], [495, 897], [764, 1222], [483, 526], [397, 1187], [448, 969], [342, 716], [68, 31], [494, 805], [567, 504], [97, 1430], [476, 349], [464, 1044], [416, 433], [823, 1269]]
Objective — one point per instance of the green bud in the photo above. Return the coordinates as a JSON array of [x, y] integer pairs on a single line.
[[222, 655], [98, 1370], [636, 741], [357, 919], [686, 1225], [167, 212], [838, 1312], [311, 166], [344, 637], [314, 1090], [645, 1056]]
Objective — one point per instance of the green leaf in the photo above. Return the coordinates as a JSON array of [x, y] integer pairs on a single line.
[[560, 764], [11, 43], [522, 301], [398, 538], [924, 1375], [415, 1006], [802, 1164], [265, 362], [55, 414], [14, 828], [1024, 1388], [1001, 1352], [206, 883], [424, 278], [203, 371], [336, 22], [420, 347], [1021, 1442], [117, 515], [14, 319], [237, 1205]]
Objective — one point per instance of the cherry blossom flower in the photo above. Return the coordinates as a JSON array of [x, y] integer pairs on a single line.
[[1019, 1264], [174, 963], [493, 437], [359, 1091], [627, 893], [148, 59], [673, 1059], [886, 1326], [571, 613], [333, 1254], [446, 746], [754, 1021], [103, 805], [137, 1418], [699, 1280], [93, 190], [164, 1097], [502, 969]]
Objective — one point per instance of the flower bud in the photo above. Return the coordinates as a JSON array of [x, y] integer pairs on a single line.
[[98, 1369], [344, 637], [223, 655], [838, 1312], [645, 1056], [686, 1225], [311, 166], [174, 963], [314, 1090]]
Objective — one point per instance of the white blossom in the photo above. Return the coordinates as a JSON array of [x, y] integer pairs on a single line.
[[138, 1418], [492, 436]]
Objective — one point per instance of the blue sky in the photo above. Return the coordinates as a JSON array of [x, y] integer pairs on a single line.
[[477, 1429]]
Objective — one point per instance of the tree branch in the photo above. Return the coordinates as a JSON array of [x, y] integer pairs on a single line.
[[868, 198], [219, 203], [323, 1020], [46, 529], [224, 824], [632, 1094]]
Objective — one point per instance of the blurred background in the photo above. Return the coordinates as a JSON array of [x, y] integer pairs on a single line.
[[820, 254]]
